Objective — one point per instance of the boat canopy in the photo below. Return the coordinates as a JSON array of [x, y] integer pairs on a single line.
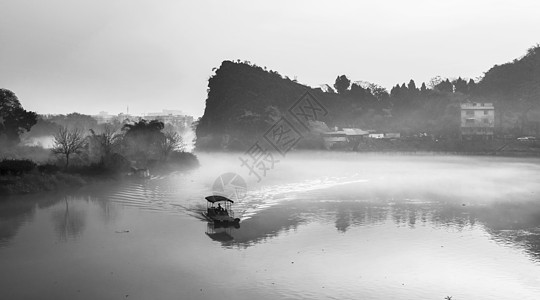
[[217, 198]]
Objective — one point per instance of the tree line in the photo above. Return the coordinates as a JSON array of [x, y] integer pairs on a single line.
[[79, 140]]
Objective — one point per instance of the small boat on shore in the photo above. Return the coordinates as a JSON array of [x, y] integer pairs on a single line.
[[139, 173], [218, 210]]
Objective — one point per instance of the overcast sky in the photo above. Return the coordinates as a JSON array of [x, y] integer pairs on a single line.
[[61, 56]]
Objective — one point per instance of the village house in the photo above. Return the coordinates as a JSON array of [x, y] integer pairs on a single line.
[[347, 136], [477, 121]]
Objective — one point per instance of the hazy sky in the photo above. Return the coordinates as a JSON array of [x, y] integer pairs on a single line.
[[61, 56]]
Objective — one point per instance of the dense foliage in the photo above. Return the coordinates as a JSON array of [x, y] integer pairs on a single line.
[[142, 139], [16, 166], [14, 120]]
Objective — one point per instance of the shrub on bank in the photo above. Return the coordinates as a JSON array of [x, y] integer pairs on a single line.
[[16, 167], [48, 168]]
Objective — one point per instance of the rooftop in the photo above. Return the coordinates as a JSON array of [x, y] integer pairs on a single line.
[[476, 105]]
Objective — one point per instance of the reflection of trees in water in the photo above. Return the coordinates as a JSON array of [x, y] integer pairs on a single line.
[[68, 222], [356, 214], [107, 209], [514, 222], [17, 211], [12, 216], [436, 214]]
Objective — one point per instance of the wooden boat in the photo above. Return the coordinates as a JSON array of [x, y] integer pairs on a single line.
[[218, 210]]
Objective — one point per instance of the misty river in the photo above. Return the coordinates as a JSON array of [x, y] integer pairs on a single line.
[[322, 225]]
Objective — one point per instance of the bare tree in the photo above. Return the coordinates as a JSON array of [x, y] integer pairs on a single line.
[[68, 142], [172, 141], [107, 140]]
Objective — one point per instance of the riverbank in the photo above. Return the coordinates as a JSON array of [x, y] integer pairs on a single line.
[[25, 176], [37, 182], [454, 147]]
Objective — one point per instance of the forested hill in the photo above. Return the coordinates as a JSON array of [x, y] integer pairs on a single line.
[[244, 100], [514, 83]]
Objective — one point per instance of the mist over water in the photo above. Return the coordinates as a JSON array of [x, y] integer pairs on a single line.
[[354, 176], [319, 225]]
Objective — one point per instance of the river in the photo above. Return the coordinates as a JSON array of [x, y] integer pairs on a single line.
[[316, 226]]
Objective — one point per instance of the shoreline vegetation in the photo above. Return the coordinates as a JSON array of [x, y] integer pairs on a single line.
[[23, 176], [80, 157], [82, 151]]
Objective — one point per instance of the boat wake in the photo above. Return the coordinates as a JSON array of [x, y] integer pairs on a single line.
[[185, 197], [258, 200]]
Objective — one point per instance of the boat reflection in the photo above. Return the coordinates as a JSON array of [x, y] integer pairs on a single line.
[[220, 233]]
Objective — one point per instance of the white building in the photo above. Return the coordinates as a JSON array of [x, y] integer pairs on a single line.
[[477, 120]]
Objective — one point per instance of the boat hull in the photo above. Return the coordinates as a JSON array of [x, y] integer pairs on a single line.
[[221, 219]]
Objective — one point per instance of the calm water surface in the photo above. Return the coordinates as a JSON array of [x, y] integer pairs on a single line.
[[318, 226]]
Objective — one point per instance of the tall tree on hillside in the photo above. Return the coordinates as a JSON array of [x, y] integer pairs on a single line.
[[342, 84], [404, 88], [412, 86], [423, 88], [460, 86], [379, 92], [445, 86], [14, 120], [357, 91], [395, 91], [362, 96], [433, 82], [68, 142], [471, 86]]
